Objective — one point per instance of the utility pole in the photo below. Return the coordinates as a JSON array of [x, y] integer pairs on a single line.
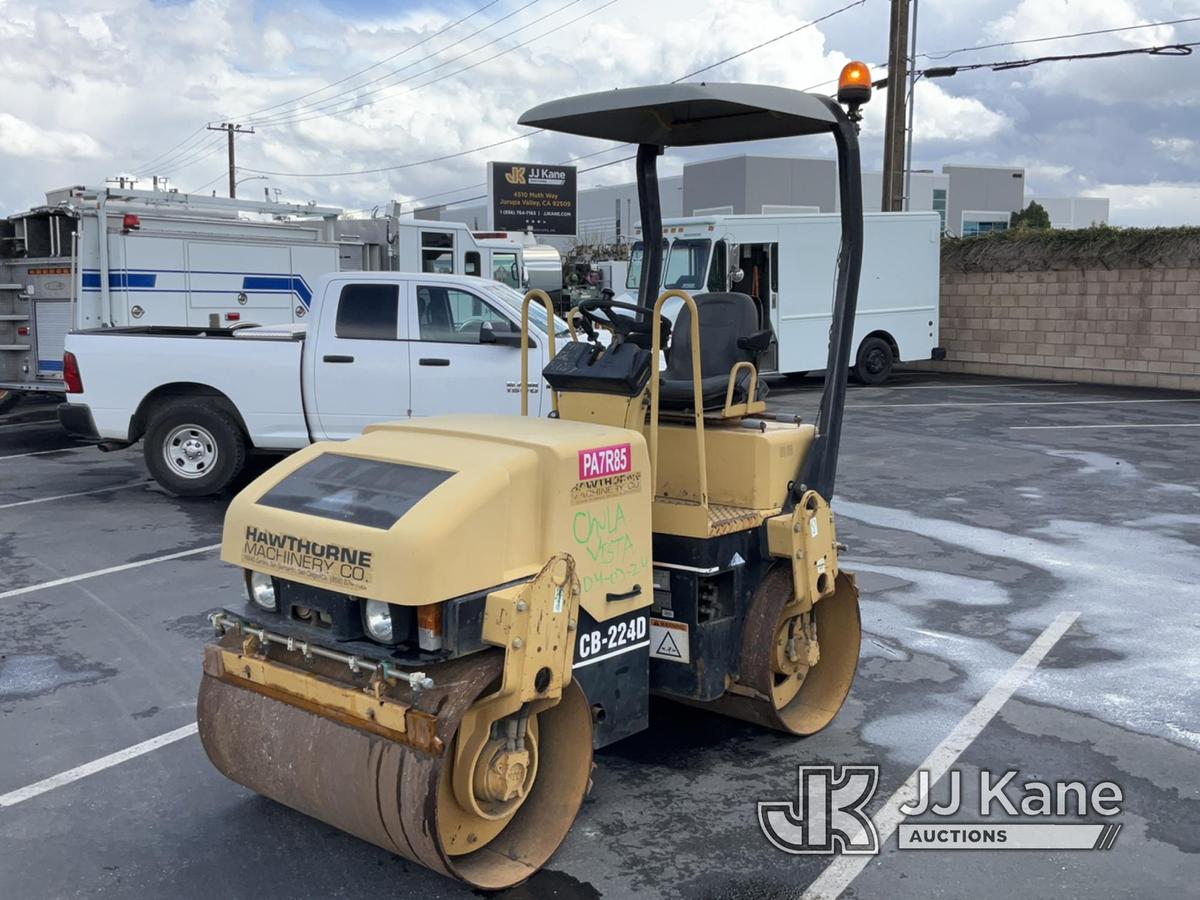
[[912, 103], [230, 130], [893, 129]]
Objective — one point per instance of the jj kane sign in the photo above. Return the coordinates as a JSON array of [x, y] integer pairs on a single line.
[[529, 195]]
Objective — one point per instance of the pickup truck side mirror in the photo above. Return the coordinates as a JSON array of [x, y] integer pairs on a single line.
[[502, 338]]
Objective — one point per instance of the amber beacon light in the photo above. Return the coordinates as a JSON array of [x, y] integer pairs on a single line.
[[854, 84]]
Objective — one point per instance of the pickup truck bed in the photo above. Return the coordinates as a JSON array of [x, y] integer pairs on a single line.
[[173, 361]]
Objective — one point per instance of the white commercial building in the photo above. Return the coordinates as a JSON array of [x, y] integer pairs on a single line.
[[970, 199]]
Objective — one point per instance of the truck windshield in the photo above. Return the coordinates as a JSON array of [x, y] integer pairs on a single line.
[[687, 264], [513, 299], [634, 275], [505, 269]]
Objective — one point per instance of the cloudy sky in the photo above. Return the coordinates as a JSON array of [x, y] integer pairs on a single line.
[[97, 88]]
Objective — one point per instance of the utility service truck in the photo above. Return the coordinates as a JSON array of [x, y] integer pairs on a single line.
[[376, 346], [179, 260], [166, 258], [785, 263]]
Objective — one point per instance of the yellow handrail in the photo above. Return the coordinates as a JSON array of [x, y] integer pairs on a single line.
[[733, 374], [697, 389], [546, 302], [572, 314]]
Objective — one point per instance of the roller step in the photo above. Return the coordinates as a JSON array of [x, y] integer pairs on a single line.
[[14, 317], [22, 348]]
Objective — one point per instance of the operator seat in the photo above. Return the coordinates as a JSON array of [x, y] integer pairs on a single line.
[[729, 334]]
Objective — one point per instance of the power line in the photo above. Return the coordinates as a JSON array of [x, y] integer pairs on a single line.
[[374, 65], [538, 131], [211, 181], [199, 131], [200, 145], [190, 157], [1008, 64], [408, 165], [154, 159], [773, 40], [329, 103], [319, 111], [943, 54]]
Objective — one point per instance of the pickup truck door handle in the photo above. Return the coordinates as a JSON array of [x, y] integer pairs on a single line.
[[334, 358], [432, 361]]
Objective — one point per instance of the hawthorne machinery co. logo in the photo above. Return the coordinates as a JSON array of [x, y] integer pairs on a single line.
[[829, 814]]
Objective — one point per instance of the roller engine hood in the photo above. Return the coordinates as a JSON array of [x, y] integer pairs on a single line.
[[420, 512]]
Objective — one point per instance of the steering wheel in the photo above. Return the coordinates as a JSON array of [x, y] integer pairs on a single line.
[[600, 312]]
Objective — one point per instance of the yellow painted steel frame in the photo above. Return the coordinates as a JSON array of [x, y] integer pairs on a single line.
[[697, 390], [807, 538], [572, 314], [535, 623], [752, 405], [545, 299]]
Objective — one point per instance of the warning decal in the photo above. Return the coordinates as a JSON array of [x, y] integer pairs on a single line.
[[669, 641]]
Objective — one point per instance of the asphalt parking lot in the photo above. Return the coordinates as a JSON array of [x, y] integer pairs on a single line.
[[984, 518]]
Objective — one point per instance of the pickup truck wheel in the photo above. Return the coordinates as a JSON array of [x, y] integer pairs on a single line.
[[875, 360], [193, 449]]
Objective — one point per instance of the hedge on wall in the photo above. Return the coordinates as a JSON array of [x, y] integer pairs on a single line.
[[1102, 247]]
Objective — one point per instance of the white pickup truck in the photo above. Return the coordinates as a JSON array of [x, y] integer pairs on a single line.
[[378, 346]]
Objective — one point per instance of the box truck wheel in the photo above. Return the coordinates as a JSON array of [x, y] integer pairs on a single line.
[[875, 360], [9, 399], [193, 448]]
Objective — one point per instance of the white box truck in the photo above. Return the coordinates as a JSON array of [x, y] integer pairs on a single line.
[[787, 264]]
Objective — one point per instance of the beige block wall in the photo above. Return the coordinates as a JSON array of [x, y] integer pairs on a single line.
[[1121, 326]]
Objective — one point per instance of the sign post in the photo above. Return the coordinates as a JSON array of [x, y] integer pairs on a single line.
[[524, 196]]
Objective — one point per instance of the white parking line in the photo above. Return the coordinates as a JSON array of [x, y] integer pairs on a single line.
[[843, 870], [111, 487], [71, 579], [41, 452], [1021, 403], [12, 798], [1106, 427]]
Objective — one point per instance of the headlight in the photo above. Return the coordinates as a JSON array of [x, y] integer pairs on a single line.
[[379, 620], [262, 591]]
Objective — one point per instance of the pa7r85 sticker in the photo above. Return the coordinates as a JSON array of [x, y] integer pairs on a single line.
[[601, 462]]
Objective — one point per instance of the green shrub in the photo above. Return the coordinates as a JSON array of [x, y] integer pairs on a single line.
[[1098, 247]]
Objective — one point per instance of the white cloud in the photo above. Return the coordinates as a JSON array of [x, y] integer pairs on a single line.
[[1160, 203], [1145, 79], [144, 75], [1178, 148], [97, 87], [23, 139], [941, 116]]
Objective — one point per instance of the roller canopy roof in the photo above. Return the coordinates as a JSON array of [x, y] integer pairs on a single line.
[[686, 115]]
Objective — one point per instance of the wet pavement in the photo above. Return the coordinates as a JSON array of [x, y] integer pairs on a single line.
[[976, 511]]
